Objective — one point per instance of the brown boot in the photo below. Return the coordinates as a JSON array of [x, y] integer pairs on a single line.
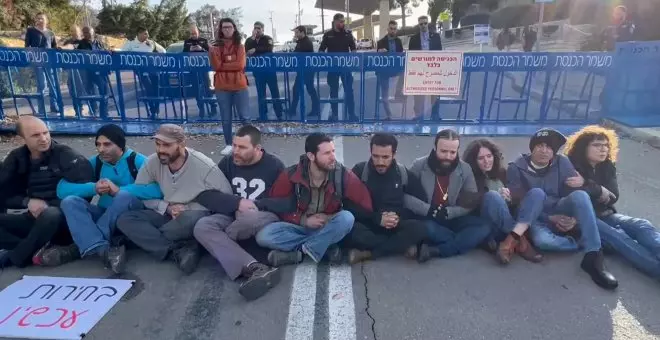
[[527, 251], [357, 256], [506, 249]]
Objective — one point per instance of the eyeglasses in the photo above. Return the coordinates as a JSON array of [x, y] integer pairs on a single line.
[[423, 23]]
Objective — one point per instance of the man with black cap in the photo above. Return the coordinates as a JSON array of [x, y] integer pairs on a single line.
[[92, 226], [258, 44], [564, 208], [165, 227], [340, 40]]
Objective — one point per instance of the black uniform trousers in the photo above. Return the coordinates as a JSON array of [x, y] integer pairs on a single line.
[[385, 242]]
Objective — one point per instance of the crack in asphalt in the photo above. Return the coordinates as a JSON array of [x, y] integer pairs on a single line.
[[367, 304]]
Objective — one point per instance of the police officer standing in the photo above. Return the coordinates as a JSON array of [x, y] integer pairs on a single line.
[[258, 44], [304, 45], [340, 40]]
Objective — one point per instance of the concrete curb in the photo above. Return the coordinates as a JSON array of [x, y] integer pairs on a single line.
[[638, 135]]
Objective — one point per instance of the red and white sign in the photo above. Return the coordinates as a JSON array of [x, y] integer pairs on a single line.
[[42, 307], [433, 73]]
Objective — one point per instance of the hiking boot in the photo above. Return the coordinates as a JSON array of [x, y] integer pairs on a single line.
[[506, 249], [334, 255], [592, 263], [411, 253], [357, 256], [187, 257], [426, 252], [260, 278], [56, 255], [114, 258], [527, 251], [278, 258]]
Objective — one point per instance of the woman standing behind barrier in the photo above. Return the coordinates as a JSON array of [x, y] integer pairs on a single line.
[[508, 235], [228, 60]]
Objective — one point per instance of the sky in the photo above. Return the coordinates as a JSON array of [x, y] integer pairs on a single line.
[[284, 14]]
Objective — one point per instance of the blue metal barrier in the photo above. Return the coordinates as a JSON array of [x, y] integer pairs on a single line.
[[528, 89]]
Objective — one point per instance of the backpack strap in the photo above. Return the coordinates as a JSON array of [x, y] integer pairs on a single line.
[[132, 168], [339, 181], [403, 172], [97, 168], [365, 173]]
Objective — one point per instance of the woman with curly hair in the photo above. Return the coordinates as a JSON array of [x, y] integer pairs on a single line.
[[485, 158], [593, 151]]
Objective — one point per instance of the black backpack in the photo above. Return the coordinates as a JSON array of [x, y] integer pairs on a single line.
[[131, 166]]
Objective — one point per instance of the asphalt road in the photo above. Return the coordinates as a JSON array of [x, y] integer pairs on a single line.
[[468, 297]]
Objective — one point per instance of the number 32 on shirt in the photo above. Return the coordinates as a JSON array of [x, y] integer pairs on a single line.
[[251, 190]]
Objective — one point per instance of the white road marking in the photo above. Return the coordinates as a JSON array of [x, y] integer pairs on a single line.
[[341, 304], [300, 325]]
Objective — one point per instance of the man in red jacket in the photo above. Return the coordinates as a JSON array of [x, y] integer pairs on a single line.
[[315, 220]]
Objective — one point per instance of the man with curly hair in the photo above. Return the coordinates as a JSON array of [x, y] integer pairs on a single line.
[[593, 151]]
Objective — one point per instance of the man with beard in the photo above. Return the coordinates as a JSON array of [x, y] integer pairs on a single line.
[[449, 185], [92, 226], [29, 178], [252, 172], [390, 229], [258, 44], [165, 228], [390, 44], [316, 189], [565, 207]]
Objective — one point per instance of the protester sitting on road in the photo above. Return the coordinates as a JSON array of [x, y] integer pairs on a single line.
[[390, 229], [148, 81], [92, 226], [569, 213], [509, 233], [593, 150], [315, 188], [165, 228], [35, 169], [449, 188], [227, 58], [251, 172]]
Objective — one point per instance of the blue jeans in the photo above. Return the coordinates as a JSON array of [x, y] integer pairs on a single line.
[[286, 236], [458, 235], [91, 227], [577, 205], [635, 239], [496, 210], [229, 101]]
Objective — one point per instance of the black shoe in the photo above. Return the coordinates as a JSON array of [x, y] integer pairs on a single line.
[[260, 278], [334, 255], [187, 257], [114, 258], [426, 252], [592, 263], [278, 258], [5, 260], [57, 255]]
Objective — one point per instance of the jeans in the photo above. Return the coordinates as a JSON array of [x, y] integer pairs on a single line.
[[96, 84], [23, 234], [384, 242], [46, 79], [349, 96], [270, 79], [496, 210], [635, 239], [229, 101], [458, 235], [577, 205], [204, 92], [91, 226], [286, 236]]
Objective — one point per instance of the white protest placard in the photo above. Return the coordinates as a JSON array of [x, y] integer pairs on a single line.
[[481, 34], [42, 307], [433, 73]]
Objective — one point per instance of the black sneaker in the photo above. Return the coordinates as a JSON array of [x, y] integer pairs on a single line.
[[114, 258], [334, 255], [56, 255], [278, 258], [260, 278], [187, 257]]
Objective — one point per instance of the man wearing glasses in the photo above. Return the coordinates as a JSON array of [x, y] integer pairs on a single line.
[[425, 40]]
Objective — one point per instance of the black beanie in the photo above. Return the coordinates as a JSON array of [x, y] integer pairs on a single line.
[[553, 138], [114, 133]]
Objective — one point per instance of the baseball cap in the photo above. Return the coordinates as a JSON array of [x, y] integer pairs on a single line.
[[170, 133]]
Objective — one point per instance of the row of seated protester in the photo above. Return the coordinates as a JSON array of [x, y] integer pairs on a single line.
[[176, 201]]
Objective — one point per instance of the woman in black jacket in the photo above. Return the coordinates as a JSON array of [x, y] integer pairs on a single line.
[[593, 151]]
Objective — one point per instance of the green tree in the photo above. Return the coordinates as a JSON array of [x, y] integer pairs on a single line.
[[403, 5], [436, 7]]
